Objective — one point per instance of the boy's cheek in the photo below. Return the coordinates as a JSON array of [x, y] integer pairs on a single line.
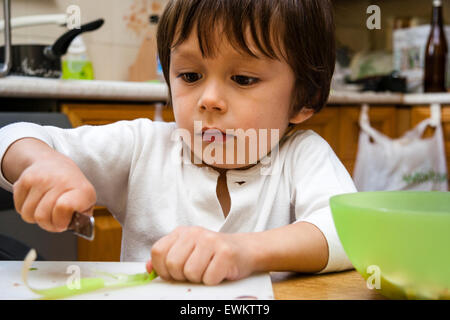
[[183, 114]]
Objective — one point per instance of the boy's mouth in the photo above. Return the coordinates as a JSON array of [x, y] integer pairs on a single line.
[[214, 134]]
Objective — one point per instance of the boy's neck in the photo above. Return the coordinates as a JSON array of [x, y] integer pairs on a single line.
[[222, 171], [219, 170]]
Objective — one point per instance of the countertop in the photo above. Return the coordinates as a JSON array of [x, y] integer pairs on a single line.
[[347, 285], [32, 87], [371, 98], [50, 274]]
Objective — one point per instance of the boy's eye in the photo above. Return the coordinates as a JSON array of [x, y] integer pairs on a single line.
[[190, 76], [244, 80]]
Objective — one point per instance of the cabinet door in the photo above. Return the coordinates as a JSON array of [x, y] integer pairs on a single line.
[[420, 113], [98, 114], [106, 245], [326, 124], [382, 118]]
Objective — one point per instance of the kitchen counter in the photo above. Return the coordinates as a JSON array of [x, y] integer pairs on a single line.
[[49, 274], [372, 98], [343, 97], [347, 285], [31, 87]]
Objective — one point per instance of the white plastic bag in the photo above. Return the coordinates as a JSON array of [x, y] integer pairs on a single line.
[[407, 163]]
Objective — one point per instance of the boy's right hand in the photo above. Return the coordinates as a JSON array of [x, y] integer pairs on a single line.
[[50, 190]]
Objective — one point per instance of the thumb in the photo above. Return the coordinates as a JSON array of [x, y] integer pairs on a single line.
[[68, 203], [89, 212]]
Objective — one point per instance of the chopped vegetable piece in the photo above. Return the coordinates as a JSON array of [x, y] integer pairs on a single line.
[[86, 284]]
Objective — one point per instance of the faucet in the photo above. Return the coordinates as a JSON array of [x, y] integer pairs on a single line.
[[6, 65]]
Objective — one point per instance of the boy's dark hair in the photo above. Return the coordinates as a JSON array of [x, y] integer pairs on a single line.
[[299, 31]]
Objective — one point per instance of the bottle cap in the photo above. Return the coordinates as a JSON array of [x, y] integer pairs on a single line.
[[77, 46], [437, 3]]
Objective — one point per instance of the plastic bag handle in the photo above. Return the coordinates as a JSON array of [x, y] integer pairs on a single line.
[[433, 121], [435, 109], [364, 123]]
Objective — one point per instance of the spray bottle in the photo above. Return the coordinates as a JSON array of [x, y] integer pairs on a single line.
[[76, 63]]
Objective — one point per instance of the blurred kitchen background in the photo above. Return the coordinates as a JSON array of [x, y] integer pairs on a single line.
[[124, 47], [115, 47], [399, 45]]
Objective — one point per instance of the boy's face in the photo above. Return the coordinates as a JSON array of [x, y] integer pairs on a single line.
[[228, 92]]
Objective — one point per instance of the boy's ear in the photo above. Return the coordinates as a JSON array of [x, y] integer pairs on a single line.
[[303, 115]]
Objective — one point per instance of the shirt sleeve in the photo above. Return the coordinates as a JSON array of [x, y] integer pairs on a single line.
[[103, 153], [317, 176]]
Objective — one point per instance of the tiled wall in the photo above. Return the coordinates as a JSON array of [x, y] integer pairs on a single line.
[[113, 48], [116, 46]]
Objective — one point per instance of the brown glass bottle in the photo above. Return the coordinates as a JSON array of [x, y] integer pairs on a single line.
[[436, 53]]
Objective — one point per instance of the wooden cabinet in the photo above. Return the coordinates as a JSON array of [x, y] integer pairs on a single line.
[[108, 238], [108, 233], [339, 126], [98, 114], [326, 124]]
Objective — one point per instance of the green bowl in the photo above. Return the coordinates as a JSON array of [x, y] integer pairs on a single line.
[[399, 241]]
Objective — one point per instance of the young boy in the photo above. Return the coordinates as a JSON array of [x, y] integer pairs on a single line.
[[192, 195]]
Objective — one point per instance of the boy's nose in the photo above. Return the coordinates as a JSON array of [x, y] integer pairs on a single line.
[[211, 100]]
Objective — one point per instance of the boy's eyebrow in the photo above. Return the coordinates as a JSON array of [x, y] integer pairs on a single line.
[[184, 53], [190, 54]]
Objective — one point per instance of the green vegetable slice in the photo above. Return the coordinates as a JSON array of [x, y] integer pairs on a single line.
[[86, 284]]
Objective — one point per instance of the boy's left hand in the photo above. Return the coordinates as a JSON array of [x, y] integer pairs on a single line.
[[199, 255]]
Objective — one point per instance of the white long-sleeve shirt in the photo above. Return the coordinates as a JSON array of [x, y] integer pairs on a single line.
[[133, 167]]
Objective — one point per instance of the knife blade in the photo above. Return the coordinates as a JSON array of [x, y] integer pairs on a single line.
[[82, 225]]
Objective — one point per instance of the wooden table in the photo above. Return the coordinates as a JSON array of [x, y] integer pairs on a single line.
[[347, 285]]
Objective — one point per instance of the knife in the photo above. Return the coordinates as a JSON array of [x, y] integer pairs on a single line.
[[82, 225]]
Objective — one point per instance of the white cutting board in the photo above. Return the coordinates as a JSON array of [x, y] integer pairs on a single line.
[[50, 274]]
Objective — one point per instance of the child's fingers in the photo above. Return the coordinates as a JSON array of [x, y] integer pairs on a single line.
[[69, 202], [177, 255], [197, 263], [90, 213], [149, 266], [43, 212], [20, 193], [159, 253], [216, 271], [27, 209]]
